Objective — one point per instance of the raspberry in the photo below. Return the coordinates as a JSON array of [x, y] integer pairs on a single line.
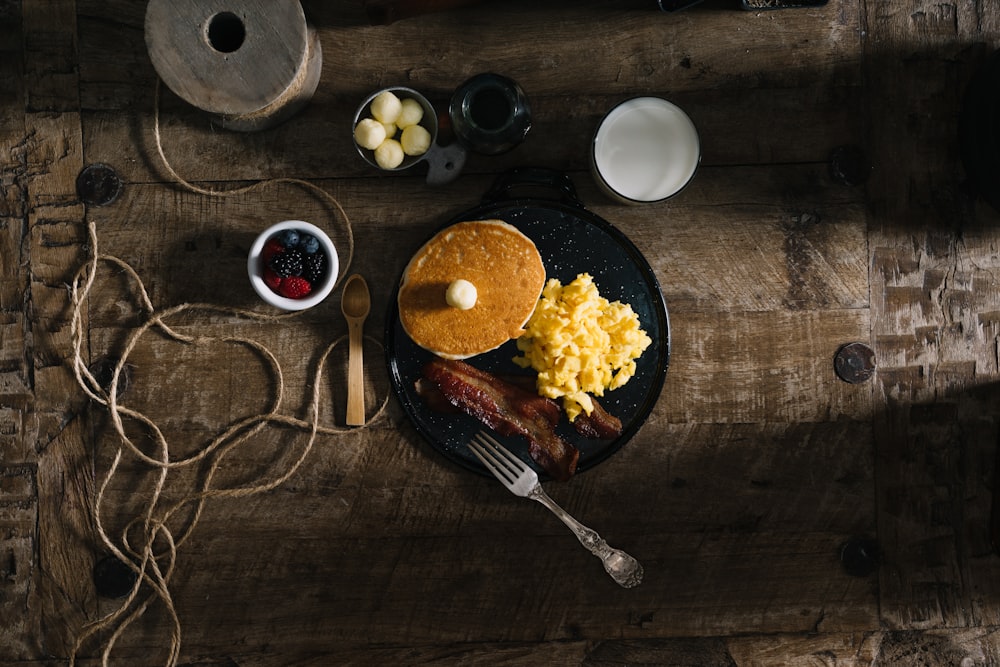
[[294, 287], [288, 263], [271, 248], [271, 279], [314, 267]]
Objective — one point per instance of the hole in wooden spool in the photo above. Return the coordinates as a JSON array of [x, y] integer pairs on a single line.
[[226, 32]]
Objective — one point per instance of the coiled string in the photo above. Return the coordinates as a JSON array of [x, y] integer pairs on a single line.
[[147, 544]]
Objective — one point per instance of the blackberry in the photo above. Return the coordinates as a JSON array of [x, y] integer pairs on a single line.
[[288, 263], [313, 267], [308, 244], [289, 238]]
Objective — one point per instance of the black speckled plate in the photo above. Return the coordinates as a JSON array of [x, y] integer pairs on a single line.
[[571, 240]]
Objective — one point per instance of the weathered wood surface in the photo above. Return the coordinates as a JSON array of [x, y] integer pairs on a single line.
[[755, 468]]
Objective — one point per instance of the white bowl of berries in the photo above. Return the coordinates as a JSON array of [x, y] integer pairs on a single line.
[[293, 265]]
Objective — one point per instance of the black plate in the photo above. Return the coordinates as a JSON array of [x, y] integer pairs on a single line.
[[571, 240]]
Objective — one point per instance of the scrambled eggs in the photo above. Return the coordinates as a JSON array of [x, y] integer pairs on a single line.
[[580, 343]]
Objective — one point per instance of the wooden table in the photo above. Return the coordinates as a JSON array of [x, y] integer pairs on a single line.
[[784, 516]]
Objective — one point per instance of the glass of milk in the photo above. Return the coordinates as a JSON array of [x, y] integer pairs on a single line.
[[645, 150]]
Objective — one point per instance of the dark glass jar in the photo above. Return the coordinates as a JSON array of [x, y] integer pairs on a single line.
[[490, 114]]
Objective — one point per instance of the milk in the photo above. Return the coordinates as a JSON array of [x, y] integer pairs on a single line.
[[645, 150]]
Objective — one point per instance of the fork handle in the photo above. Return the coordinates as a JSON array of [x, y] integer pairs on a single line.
[[624, 569]]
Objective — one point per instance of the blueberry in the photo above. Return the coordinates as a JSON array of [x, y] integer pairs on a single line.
[[289, 238], [308, 244]]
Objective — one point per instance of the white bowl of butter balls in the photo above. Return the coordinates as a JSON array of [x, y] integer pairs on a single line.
[[394, 128]]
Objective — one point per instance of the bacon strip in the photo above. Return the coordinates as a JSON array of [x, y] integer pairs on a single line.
[[598, 425], [433, 398], [508, 410]]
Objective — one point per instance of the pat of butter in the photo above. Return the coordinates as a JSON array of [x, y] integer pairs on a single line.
[[461, 294]]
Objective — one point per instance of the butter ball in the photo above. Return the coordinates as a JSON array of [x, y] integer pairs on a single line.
[[386, 107], [389, 154], [369, 133], [411, 112], [415, 140], [461, 294]]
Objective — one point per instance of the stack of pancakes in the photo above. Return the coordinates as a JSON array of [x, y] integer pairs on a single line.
[[502, 263]]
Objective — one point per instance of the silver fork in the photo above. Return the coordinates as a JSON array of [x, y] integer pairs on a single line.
[[523, 481]]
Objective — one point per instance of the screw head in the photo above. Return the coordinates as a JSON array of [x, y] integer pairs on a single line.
[[849, 165], [854, 363], [103, 371], [98, 185], [113, 578], [860, 556]]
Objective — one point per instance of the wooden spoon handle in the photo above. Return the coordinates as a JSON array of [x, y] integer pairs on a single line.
[[355, 377]]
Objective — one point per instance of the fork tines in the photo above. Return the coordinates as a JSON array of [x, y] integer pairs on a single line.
[[496, 458]]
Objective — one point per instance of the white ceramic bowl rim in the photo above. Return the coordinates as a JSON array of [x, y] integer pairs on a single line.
[[680, 123], [256, 274]]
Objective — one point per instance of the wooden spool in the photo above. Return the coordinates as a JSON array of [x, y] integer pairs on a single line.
[[252, 63]]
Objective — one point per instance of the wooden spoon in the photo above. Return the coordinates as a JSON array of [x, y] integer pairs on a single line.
[[355, 303]]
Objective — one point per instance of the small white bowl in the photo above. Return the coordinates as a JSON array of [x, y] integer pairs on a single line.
[[255, 267]]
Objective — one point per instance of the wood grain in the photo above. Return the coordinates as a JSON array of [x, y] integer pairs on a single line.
[[934, 334], [754, 472]]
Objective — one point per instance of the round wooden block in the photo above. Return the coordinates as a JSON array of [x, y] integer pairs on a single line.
[[251, 60]]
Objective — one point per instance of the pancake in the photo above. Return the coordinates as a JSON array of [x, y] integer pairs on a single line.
[[504, 266]]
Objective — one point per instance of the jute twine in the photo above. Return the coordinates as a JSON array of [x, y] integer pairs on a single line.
[[299, 91], [148, 544]]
